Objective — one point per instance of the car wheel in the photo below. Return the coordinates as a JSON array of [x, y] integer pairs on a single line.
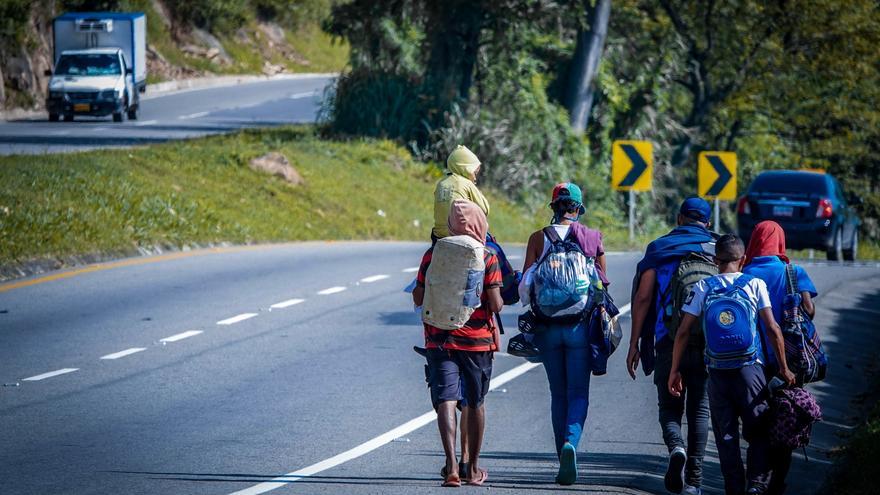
[[68, 118], [53, 117], [835, 251], [117, 116], [853, 252]]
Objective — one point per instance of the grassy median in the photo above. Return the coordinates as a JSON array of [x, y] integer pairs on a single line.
[[202, 191]]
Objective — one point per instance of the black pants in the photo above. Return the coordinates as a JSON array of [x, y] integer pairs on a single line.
[[741, 395], [693, 402]]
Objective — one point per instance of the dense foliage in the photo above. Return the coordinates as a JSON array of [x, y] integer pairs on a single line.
[[785, 84]]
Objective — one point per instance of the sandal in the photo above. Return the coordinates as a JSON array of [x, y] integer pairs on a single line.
[[451, 482], [484, 475], [464, 469]]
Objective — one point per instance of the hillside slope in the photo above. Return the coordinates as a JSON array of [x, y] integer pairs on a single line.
[[202, 192]]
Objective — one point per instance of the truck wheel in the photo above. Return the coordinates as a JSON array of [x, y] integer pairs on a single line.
[[835, 251], [852, 253], [117, 116], [68, 117], [53, 117], [133, 113]]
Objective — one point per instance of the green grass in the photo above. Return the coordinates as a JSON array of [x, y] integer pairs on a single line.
[[202, 191], [853, 473]]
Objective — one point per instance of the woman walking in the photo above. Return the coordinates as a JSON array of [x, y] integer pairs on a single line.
[[565, 350], [766, 260]]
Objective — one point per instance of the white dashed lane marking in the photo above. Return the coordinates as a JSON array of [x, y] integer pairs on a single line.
[[236, 319], [181, 336], [127, 352], [374, 278], [331, 290], [50, 374], [287, 303], [411, 270]]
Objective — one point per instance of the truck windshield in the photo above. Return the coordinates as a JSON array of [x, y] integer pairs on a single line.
[[98, 64]]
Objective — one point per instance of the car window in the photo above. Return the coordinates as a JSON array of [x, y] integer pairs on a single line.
[[838, 191], [790, 183], [92, 64]]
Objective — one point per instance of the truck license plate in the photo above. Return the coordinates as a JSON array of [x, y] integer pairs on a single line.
[[783, 211], [82, 107]]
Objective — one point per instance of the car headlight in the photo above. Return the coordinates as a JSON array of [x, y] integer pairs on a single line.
[[109, 94], [56, 94]]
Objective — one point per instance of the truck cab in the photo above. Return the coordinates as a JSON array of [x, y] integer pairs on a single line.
[[91, 82], [100, 65]]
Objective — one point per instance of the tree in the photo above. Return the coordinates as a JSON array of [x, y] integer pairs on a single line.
[[585, 63]]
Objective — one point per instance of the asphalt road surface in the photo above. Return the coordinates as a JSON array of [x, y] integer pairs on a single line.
[[177, 115], [289, 369]]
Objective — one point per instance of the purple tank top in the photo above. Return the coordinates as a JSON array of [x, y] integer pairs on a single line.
[[590, 242]]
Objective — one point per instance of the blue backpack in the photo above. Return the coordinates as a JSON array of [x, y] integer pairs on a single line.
[[730, 324], [510, 278], [804, 352]]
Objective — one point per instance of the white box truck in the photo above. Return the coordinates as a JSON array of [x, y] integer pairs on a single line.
[[100, 65]]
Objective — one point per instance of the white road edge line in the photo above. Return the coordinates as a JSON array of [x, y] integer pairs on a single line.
[[121, 354], [146, 122], [410, 270], [193, 115], [385, 438], [181, 336], [331, 290], [373, 278], [297, 96], [287, 303], [50, 374], [236, 319]]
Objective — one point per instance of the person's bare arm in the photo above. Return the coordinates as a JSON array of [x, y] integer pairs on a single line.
[[775, 334], [807, 304], [418, 295], [681, 341], [494, 302], [600, 262], [640, 305], [533, 249]]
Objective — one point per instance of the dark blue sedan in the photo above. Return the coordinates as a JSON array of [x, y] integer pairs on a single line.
[[810, 206]]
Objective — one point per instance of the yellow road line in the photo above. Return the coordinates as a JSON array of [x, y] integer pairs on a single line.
[[130, 262]]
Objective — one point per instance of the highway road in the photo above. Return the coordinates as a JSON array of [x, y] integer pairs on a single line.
[[289, 369], [174, 115]]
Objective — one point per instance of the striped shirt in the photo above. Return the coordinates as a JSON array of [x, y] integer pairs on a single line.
[[478, 333]]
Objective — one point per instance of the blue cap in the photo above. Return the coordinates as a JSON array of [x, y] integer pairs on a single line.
[[696, 209]]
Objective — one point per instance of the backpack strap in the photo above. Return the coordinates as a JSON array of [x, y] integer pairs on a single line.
[[791, 276], [551, 234], [713, 284], [742, 282]]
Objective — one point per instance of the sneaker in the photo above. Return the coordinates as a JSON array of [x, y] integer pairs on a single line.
[[692, 490], [674, 479], [568, 472]]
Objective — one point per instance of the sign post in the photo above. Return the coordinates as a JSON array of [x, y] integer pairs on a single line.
[[716, 177], [632, 169]]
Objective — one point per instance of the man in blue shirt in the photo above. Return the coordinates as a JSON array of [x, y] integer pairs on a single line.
[[650, 344]]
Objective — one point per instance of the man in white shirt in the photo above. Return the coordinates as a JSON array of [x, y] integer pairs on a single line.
[[729, 305]]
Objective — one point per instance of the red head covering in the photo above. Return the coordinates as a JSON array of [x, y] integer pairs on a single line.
[[768, 239], [466, 218]]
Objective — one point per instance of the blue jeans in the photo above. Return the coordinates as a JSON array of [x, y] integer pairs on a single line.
[[565, 352]]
